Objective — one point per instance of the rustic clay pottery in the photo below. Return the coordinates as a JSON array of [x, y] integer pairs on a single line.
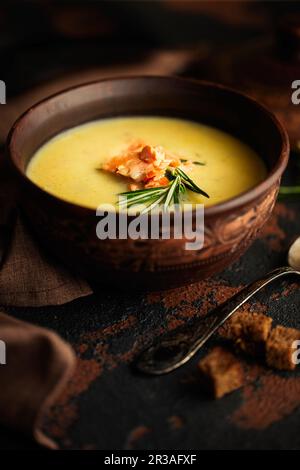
[[68, 230]]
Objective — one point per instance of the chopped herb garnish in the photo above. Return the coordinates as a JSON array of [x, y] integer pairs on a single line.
[[179, 182]]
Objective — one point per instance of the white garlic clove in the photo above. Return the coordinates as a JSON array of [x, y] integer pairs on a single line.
[[294, 254]]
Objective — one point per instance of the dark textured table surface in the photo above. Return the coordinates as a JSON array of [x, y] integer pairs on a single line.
[[108, 406]]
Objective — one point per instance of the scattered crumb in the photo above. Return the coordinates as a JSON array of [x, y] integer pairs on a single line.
[[135, 435], [220, 372], [175, 422], [279, 348], [249, 332]]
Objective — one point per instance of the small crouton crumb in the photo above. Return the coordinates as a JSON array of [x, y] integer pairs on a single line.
[[279, 348], [249, 332], [220, 372]]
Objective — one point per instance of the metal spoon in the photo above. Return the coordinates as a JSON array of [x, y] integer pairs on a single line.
[[174, 349]]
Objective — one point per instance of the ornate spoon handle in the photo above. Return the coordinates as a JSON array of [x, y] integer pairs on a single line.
[[174, 349]]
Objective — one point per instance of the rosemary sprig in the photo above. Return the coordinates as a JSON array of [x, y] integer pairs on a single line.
[[196, 162], [179, 182]]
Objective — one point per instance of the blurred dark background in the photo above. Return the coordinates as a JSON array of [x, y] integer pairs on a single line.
[[41, 40], [47, 46]]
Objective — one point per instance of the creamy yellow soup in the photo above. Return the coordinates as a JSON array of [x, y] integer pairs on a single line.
[[67, 165]]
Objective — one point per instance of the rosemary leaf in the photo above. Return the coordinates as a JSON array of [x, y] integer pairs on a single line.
[[140, 191], [287, 190], [179, 182], [153, 205], [190, 183], [171, 191], [139, 198]]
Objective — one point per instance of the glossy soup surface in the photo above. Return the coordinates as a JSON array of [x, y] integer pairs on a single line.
[[66, 166]]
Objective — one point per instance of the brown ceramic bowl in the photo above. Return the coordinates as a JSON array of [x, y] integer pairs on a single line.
[[68, 230]]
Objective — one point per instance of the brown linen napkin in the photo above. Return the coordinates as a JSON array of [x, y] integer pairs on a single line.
[[27, 276], [38, 366], [8, 197]]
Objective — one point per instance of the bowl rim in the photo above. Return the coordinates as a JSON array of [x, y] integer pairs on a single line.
[[228, 205]]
